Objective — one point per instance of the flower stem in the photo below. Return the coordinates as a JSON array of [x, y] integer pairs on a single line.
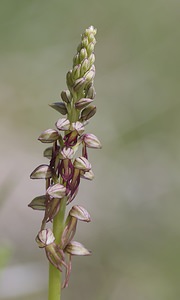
[[55, 276]]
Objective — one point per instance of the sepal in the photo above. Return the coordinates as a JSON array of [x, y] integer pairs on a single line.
[[60, 107], [38, 203]]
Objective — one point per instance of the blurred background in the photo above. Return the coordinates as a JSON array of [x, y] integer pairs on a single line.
[[134, 200]]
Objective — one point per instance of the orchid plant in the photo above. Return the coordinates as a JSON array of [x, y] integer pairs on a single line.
[[65, 169]]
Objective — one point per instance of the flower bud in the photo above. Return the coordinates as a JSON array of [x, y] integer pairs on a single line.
[[56, 191], [84, 42], [79, 84], [76, 72], [82, 54], [41, 172], [66, 96], [90, 30], [91, 141], [91, 38], [91, 59], [38, 203], [69, 79], [45, 237], [63, 124], [76, 60], [75, 248], [48, 136], [60, 107], [89, 76], [88, 112], [85, 65], [91, 92], [90, 48], [80, 213], [82, 103], [82, 163]]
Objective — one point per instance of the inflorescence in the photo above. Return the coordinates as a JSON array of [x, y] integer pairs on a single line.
[[64, 171]]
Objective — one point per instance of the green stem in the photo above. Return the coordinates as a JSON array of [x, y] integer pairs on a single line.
[[55, 276]]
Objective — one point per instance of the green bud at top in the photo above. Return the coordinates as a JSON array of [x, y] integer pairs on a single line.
[[84, 42], [82, 54], [90, 48], [76, 72], [76, 60]]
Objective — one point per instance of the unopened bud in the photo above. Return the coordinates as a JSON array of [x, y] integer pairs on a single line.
[[91, 92], [76, 60], [66, 96], [82, 54], [48, 136], [76, 72], [82, 103], [88, 112], [79, 84], [69, 79], [90, 48], [91, 59], [89, 76], [85, 65], [85, 42], [41, 172]]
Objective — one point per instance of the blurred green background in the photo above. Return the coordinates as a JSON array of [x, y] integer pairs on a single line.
[[134, 198]]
